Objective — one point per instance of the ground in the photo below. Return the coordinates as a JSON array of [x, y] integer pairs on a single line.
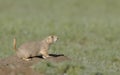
[[15, 66]]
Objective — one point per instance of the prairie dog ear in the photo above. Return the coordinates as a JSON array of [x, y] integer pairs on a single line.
[[52, 37], [49, 39]]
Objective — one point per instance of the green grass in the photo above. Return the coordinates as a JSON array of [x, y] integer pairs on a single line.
[[88, 32]]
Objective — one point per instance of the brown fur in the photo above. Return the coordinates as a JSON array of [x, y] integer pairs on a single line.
[[31, 49]]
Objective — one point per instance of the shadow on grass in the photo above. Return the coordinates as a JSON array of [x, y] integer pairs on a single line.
[[53, 55]]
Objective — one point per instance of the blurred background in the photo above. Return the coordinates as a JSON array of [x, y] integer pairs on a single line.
[[88, 32]]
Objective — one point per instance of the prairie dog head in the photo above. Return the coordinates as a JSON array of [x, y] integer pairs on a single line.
[[52, 39]]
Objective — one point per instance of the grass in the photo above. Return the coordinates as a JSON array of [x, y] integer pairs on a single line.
[[88, 32]]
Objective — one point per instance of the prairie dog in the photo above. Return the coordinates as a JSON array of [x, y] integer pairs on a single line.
[[32, 49]]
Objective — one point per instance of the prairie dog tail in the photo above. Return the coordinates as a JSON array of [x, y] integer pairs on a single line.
[[14, 44]]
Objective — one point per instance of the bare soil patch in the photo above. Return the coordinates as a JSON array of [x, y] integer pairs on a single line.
[[13, 65]]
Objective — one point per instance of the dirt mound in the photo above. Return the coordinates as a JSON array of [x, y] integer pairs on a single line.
[[15, 66]]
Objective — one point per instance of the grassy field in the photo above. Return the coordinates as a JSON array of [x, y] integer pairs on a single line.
[[88, 31]]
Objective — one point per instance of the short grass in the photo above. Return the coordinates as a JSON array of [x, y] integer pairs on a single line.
[[88, 31]]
